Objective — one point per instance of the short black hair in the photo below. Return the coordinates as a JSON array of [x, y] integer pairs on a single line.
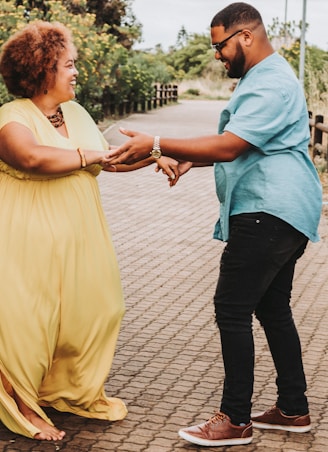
[[236, 14]]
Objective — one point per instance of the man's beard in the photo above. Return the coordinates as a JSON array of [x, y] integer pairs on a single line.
[[237, 65]]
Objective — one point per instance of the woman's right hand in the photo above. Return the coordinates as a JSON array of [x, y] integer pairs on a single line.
[[103, 158]]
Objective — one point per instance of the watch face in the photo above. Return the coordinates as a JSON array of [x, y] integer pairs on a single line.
[[156, 153]]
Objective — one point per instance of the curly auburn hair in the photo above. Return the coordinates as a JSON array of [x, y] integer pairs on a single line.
[[28, 60]]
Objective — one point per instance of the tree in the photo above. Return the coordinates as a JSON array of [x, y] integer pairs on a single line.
[[182, 37], [286, 37], [193, 57], [103, 63], [118, 15]]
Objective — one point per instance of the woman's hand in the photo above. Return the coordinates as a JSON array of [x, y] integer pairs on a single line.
[[124, 167], [170, 168], [184, 167], [104, 159]]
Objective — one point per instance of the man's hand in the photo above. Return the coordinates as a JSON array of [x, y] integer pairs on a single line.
[[133, 150]]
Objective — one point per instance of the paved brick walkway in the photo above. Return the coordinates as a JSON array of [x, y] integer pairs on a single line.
[[168, 367]]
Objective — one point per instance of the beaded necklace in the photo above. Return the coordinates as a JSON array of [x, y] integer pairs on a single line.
[[56, 119]]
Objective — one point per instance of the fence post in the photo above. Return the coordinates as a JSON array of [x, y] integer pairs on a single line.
[[318, 132], [169, 93], [160, 95], [175, 93], [143, 105], [107, 101], [165, 94], [161, 92], [317, 137], [155, 96], [149, 103], [135, 105]]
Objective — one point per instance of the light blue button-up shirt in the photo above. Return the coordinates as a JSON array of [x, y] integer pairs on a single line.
[[276, 175]]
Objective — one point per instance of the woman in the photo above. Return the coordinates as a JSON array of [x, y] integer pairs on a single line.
[[61, 297]]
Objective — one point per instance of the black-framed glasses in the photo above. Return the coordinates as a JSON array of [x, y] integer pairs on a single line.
[[218, 46]]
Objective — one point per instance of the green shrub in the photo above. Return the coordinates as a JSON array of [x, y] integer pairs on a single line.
[[102, 61], [193, 92]]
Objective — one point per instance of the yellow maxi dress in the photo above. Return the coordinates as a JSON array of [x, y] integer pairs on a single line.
[[61, 299]]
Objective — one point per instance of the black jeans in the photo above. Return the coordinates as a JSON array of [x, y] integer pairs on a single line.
[[256, 274]]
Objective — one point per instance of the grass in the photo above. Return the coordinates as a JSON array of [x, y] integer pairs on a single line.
[[205, 88]]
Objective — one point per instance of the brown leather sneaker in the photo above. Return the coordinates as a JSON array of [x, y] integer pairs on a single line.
[[218, 431], [275, 419]]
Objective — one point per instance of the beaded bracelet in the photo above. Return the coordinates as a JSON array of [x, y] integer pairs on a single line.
[[82, 157]]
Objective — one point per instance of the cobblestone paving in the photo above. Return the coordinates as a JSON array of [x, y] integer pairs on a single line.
[[168, 367]]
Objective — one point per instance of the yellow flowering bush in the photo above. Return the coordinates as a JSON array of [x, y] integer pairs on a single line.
[[102, 61]]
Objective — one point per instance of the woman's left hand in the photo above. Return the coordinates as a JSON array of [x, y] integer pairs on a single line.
[[170, 168]]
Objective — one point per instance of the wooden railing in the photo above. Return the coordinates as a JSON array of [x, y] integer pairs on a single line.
[[319, 137], [160, 96]]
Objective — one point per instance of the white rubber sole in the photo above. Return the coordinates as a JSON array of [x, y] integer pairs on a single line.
[[285, 428], [219, 442]]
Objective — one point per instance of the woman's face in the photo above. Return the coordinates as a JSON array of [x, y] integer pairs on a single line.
[[65, 81]]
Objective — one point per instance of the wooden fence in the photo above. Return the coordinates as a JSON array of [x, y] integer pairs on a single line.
[[161, 95], [319, 137]]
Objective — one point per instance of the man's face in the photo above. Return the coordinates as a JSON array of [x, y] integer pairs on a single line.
[[229, 50]]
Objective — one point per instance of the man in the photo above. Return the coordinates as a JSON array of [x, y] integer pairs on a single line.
[[270, 204]]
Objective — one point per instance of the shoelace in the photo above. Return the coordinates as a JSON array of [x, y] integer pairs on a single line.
[[217, 418]]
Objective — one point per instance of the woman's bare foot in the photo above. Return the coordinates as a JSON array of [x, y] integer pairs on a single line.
[[48, 432]]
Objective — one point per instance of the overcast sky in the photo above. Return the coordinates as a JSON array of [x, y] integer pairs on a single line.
[[162, 19]]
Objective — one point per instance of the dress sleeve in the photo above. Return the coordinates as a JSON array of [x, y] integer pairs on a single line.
[[10, 113]]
